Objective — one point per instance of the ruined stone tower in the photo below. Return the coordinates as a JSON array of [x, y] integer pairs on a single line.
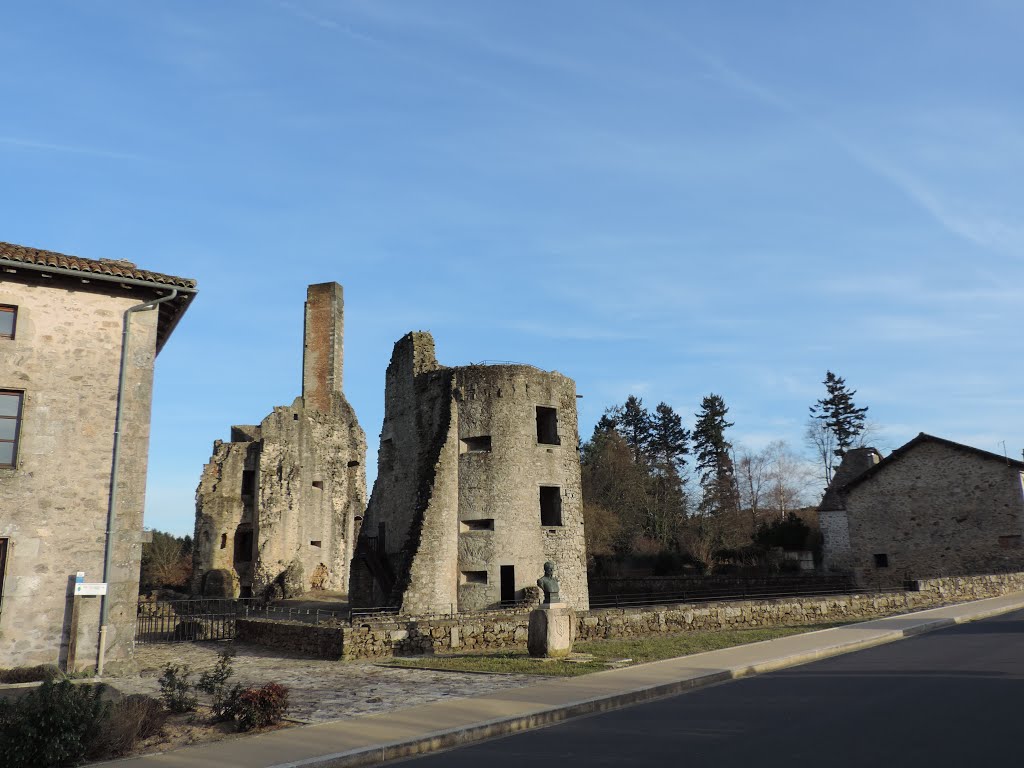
[[278, 507], [478, 485]]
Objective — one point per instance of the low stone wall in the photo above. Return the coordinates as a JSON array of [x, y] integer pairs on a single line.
[[404, 636]]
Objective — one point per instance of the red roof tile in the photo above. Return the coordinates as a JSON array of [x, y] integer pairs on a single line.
[[109, 267]]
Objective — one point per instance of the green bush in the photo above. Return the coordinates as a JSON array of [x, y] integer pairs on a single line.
[[58, 724], [260, 707], [215, 683], [176, 690], [30, 674]]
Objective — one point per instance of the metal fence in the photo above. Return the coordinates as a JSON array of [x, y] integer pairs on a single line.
[[176, 621]]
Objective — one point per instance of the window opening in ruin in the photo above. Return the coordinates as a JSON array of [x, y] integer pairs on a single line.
[[8, 321], [1010, 542], [480, 444], [10, 426], [318, 484], [550, 505], [243, 545], [466, 526], [352, 464], [387, 455], [547, 426], [248, 482], [223, 541], [508, 583], [295, 417], [3, 567], [318, 543], [881, 561], [474, 577]]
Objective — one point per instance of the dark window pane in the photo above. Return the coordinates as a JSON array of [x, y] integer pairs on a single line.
[[8, 427], [6, 454], [9, 403], [6, 321]]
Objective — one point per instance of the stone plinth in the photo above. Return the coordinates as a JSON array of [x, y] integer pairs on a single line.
[[552, 631]]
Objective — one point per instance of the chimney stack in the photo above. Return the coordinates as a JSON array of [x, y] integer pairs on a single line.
[[323, 345]]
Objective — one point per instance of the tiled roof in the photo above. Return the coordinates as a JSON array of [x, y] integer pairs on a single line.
[[109, 267]]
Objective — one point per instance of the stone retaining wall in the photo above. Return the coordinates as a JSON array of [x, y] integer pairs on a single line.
[[404, 636]]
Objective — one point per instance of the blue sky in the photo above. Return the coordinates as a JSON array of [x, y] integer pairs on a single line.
[[660, 198]]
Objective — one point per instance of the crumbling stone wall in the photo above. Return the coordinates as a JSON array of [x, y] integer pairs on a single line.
[[278, 507], [932, 508], [455, 520], [494, 630]]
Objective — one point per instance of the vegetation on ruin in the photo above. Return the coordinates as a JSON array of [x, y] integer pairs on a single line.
[[605, 653]]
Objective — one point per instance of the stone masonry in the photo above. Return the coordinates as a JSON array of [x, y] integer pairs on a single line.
[[478, 485], [932, 508], [62, 363], [279, 506]]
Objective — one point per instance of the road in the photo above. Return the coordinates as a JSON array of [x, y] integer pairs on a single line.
[[954, 697]]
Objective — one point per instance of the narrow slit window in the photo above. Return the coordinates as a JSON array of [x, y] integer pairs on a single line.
[[550, 505], [474, 577], [547, 426], [10, 426], [8, 321], [468, 526], [223, 541], [317, 544], [318, 484], [480, 444]]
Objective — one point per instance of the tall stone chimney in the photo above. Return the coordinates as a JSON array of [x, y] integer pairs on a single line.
[[323, 345]]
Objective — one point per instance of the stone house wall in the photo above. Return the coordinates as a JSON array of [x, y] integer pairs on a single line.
[[65, 357], [932, 508], [456, 508], [495, 630]]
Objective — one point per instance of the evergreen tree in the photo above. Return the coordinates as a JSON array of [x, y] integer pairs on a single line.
[[839, 414], [635, 425], [670, 440], [714, 460]]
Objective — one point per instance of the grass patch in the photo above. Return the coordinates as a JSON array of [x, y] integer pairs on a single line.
[[640, 650]]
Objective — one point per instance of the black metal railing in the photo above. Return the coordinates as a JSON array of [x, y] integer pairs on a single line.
[[177, 621]]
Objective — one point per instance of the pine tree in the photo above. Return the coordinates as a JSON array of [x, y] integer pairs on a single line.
[[714, 461], [670, 440], [839, 414], [635, 424]]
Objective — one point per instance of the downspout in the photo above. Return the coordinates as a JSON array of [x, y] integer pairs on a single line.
[[108, 553]]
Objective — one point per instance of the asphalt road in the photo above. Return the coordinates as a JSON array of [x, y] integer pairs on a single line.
[[949, 698]]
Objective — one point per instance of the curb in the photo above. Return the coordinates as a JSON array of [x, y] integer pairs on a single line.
[[463, 735]]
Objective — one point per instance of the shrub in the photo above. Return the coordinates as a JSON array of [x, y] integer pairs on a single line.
[[55, 725], [132, 718], [260, 707], [215, 683], [176, 689], [30, 674]]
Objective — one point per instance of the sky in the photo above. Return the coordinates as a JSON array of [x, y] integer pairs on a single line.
[[658, 198]]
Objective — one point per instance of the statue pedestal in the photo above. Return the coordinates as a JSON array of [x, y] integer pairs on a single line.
[[552, 631]]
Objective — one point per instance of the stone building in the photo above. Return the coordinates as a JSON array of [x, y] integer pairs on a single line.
[[278, 507], [931, 508], [78, 340], [478, 485]]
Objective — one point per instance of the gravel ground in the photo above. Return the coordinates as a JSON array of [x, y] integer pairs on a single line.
[[319, 690]]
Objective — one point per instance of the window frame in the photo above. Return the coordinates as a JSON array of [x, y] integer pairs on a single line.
[[13, 310], [18, 419]]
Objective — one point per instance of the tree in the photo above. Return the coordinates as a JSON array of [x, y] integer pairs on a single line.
[[670, 440], [616, 498], [839, 414], [822, 442], [789, 478], [635, 424], [166, 561], [714, 460], [753, 470]]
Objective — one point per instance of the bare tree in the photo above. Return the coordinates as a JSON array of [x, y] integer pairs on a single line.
[[822, 443], [753, 477], [789, 478]]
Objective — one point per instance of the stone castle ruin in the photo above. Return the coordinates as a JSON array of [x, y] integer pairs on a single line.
[[478, 485], [278, 507]]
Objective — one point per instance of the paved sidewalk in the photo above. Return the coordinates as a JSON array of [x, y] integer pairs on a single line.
[[375, 739]]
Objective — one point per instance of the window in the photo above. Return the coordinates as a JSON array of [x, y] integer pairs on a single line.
[[8, 321], [243, 545], [476, 525], [318, 484], [1011, 541], [480, 444], [547, 426], [550, 505], [474, 577], [318, 543], [881, 561], [223, 541], [10, 426], [248, 482]]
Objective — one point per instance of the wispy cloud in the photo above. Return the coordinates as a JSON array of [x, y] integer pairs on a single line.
[[577, 333], [19, 143]]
